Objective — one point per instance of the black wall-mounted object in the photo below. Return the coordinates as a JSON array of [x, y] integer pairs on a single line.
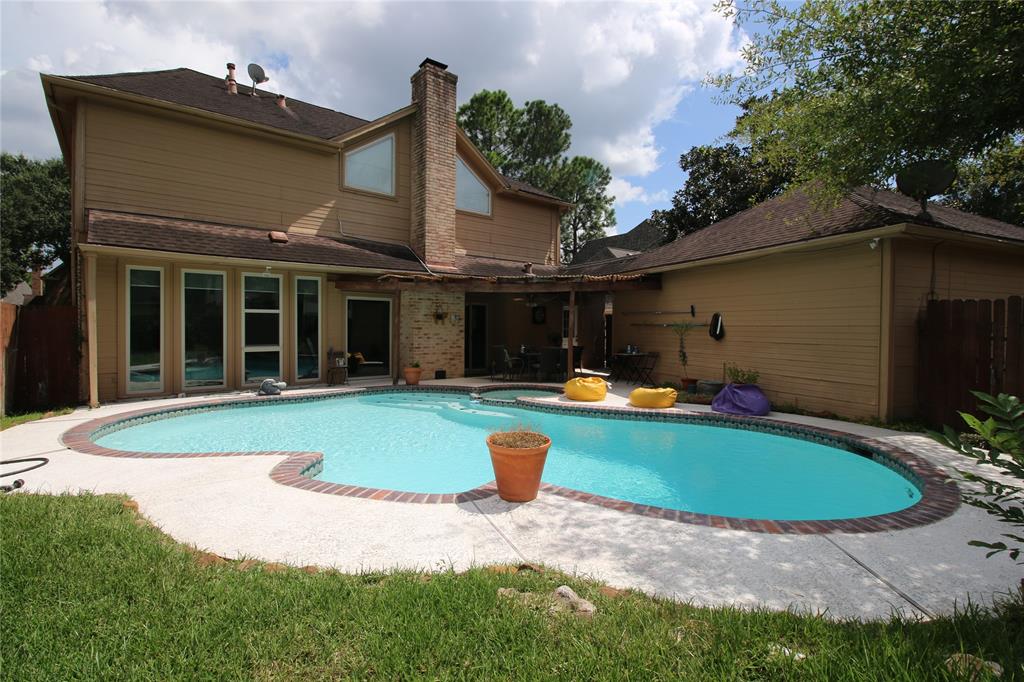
[[693, 310], [716, 328]]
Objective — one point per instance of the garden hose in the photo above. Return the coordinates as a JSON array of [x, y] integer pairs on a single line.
[[38, 462]]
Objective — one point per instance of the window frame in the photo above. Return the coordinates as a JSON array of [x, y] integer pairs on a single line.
[[394, 177], [490, 193], [129, 387], [224, 324], [319, 328], [280, 327]]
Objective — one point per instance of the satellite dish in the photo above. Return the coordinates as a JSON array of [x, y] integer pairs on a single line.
[[923, 179], [258, 75]]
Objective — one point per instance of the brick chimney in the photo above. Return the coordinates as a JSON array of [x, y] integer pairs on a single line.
[[433, 164]]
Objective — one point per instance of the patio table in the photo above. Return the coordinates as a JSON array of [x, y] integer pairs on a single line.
[[626, 366]]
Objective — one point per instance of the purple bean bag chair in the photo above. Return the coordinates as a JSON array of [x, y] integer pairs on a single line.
[[745, 399]]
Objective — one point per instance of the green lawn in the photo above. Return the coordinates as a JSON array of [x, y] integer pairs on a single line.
[[9, 420], [89, 591]]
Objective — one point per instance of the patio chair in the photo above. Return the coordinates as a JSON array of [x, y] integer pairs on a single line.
[[512, 367], [645, 369]]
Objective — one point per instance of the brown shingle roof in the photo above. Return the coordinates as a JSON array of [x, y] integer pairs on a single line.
[[794, 217], [201, 91], [129, 230]]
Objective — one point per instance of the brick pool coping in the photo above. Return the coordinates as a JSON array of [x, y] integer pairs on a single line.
[[940, 496]]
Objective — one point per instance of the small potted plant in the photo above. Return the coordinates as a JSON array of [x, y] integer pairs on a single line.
[[518, 457], [682, 329], [412, 374]]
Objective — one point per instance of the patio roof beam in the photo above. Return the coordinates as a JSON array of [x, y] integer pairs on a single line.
[[489, 286]]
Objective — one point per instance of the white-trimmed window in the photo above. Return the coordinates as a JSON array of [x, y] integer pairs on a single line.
[[307, 328], [471, 194], [203, 328], [144, 329], [261, 327], [372, 166]]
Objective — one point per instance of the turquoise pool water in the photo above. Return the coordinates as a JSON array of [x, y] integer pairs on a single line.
[[434, 443]]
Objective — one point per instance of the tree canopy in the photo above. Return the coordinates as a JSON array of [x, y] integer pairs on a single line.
[[849, 92], [720, 182], [531, 144], [35, 211]]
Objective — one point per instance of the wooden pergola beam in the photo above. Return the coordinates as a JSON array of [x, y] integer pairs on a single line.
[[485, 286]]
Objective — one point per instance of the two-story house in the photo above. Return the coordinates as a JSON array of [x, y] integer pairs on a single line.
[[224, 236]]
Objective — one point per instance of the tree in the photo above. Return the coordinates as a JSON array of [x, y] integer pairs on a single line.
[[583, 181], [35, 213], [850, 91], [992, 185], [531, 144], [720, 182]]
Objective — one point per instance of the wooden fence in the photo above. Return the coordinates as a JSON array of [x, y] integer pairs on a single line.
[[41, 357], [965, 346]]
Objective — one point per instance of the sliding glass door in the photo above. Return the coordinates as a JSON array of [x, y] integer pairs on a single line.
[[144, 329], [204, 330], [261, 327], [369, 337], [307, 328]]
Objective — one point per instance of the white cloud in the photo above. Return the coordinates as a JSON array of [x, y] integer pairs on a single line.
[[627, 193], [618, 69]]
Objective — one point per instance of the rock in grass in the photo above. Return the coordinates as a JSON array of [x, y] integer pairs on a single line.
[[246, 564], [971, 667], [786, 652], [312, 570], [131, 505], [575, 602], [205, 559], [612, 592], [273, 567]]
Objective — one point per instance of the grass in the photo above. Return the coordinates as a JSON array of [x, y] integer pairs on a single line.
[[91, 591], [9, 420]]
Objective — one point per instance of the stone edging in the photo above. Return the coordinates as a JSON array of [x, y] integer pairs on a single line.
[[940, 496]]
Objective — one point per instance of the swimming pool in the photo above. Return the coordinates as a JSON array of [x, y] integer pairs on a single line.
[[426, 442]]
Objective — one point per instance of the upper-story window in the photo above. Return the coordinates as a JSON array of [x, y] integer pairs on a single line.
[[470, 193], [372, 166]]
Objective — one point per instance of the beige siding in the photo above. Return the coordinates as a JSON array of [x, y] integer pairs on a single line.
[[959, 272], [807, 321], [516, 230], [144, 163]]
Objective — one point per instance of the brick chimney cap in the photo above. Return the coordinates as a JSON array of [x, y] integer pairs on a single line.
[[433, 62]]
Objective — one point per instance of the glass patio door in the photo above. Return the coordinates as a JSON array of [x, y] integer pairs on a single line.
[[369, 337]]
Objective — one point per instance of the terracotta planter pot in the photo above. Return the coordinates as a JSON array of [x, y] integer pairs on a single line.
[[412, 375], [518, 470]]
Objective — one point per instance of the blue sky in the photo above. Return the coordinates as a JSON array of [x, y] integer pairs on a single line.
[[628, 74]]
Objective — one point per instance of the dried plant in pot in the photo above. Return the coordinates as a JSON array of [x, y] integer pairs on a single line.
[[518, 456], [412, 374]]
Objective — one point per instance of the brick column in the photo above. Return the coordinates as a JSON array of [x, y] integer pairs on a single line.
[[432, 232]]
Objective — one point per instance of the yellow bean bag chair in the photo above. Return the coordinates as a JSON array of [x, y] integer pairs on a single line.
[[653, 397], [586, 388]]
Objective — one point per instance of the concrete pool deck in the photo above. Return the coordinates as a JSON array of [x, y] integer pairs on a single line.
[[231, 507]]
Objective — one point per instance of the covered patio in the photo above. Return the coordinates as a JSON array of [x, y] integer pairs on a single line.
[[527, 326]]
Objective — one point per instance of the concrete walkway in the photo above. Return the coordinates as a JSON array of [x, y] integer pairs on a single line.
[[231, 507]]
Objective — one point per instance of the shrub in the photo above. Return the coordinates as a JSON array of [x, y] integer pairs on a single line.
[[738, 375], [1001, 445]]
